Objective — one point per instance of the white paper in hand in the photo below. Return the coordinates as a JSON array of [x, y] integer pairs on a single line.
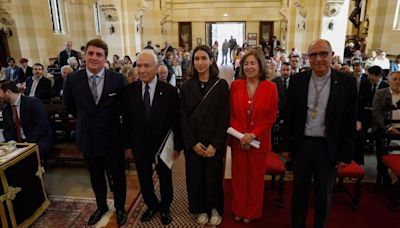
[[167, 154], [238, 135]]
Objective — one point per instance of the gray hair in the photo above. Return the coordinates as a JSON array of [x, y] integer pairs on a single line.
[[150, 52], [319, 40], [66, 67], [392, 73], [71, 59], [162, 66]]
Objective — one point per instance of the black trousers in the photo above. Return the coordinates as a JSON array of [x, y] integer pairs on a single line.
[[312, 161], [114, 164], [145, 173], [204, 180]]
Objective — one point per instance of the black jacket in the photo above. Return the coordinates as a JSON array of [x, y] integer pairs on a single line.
[[340, 116]]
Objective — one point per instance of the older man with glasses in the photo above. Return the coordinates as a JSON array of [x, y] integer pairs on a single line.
[[319, 132]]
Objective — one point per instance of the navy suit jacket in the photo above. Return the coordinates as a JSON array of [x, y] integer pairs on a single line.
[[146, 136], [23, 76], [98, 129], [34, 121], [63, 57], [42, 90], [340, 116]]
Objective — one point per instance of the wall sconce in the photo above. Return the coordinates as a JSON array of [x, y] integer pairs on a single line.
[[301, 26], [330, 25], [112, 29], [163, 30]]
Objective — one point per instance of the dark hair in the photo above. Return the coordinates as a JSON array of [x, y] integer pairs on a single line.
[[396, 60], [8, 85], [261, 63], [375, 70], [23, 60], [287, 64], [116, 56], [129, 58], [214, 71], [38, 64], [98, 43], [9, 59]]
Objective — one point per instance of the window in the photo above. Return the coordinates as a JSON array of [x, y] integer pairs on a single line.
[[56, 16], [396, 23], [96, 13]]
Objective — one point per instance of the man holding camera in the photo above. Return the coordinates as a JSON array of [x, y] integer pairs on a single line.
[[385, 106]]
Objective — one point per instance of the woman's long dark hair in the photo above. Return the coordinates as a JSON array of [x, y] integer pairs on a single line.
[[213, 69]]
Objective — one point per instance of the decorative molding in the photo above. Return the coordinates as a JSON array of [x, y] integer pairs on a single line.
[[302, 10], [109, 11], [332, 8], [6, 19]]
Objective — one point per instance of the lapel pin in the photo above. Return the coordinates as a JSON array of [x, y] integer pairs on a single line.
[[335, 82], [160, 93]]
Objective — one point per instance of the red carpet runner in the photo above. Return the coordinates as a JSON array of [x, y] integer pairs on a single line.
[[374, 211]]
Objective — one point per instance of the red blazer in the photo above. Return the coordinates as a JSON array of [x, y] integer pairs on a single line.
[[265, 108]]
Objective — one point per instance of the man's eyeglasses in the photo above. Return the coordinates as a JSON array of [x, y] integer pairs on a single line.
[[322, 54]]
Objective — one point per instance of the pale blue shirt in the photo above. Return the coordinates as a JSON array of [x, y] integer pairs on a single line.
[[99, 82], [152, 89], [316, 127]]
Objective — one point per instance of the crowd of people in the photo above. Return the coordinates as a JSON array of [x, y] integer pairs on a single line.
[[301, 105]]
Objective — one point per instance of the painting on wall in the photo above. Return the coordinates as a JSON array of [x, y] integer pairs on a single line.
[[252, 39], [185, 35], [266, 32]]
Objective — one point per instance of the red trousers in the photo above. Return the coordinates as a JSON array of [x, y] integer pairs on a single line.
[[248, 169]]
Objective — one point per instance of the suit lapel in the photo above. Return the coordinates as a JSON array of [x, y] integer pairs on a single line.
[[106, 87], [21, 111], [335, 83], [86, 92], [304, 93], [158, 93]]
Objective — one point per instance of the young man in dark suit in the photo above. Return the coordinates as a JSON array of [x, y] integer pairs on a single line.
[[92, 95], [38, 85], [319, 133], [25, 118], [151, 109], [24, 71]]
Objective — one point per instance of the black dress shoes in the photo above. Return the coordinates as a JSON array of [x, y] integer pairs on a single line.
[[166, 217], [96, 216], [121, 218], [147, 215]]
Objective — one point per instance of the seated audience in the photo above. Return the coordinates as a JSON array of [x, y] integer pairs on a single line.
[[25, 118], [38, 85], [385, 105], [12, 70], [24, 71]]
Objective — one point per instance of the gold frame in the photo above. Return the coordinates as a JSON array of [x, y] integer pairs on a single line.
[[30, 148]]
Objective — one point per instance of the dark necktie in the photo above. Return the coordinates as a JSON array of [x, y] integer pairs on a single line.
[[17, 123], [373, 90], [285, 83], [146, 101]]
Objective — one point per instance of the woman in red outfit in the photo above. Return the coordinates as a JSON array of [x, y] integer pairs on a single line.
[[254, 106]]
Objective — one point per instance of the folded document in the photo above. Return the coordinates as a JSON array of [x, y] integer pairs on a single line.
[[238, 135]]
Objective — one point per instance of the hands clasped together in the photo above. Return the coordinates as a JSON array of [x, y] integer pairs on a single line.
[[204, 151]]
